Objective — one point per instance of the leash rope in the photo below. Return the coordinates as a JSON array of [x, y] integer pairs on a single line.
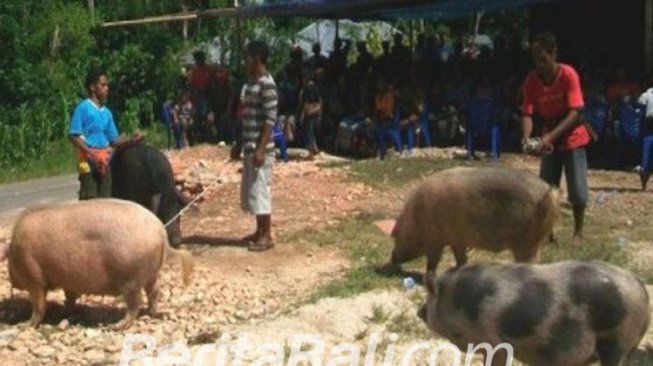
[[181, 212]]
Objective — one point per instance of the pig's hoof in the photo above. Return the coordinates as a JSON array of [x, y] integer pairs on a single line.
[[576, 241], [121, 325]]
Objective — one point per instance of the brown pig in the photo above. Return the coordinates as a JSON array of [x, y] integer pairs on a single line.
[[487, 208], [99, 247]]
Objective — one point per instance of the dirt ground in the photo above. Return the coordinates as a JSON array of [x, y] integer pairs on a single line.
[[235, 291]]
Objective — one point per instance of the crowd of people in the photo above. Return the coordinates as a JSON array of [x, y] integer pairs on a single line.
[[409, 95], [433, 93]]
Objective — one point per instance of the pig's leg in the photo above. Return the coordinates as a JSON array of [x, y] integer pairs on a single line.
[[155, 203], [460, 253], [132, 297], [152, 291], [610, 352], [500, 358], [71, 298], [527, 255], [432, 259], [37, 296]]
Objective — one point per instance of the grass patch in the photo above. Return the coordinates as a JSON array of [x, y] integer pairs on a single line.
[[368, 249], [602, 233], [391, 173], [379, 314], [59, 158]]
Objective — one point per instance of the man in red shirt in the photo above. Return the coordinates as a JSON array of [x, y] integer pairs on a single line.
[[553, 96]]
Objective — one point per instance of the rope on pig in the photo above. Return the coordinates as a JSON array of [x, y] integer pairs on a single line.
[[181, 212]]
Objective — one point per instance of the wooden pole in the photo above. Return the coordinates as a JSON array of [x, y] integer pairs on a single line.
[[185, 26], [91, 8], [238, 51], [160, 19], [648, 37]]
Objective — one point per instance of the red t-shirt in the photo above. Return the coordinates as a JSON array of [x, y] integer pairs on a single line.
[[553, 102], [200, 78]]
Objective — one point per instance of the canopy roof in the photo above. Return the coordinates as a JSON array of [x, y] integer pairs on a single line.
[[379, 9], [346, 9]]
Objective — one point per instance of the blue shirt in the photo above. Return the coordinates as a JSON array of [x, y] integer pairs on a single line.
[[94, 124]]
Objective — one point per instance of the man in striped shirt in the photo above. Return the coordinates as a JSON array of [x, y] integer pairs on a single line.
[[259, 100]]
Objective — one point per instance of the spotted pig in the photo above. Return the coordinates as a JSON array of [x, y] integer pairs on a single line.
[[565, 314]]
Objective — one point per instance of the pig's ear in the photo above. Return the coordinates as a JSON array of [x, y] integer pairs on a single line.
[[429, 283], [4, 249], [387, 226]]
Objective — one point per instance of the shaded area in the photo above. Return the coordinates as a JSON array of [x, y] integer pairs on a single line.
[[19, 310]]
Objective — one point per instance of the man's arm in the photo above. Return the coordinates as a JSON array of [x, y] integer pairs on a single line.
[[79, 144], [269, 103], [569, 122], [124, 141], [526, 126]]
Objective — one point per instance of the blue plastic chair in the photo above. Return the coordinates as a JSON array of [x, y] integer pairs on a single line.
[[631, 118], [280, 140], [424, 129], [481, 121], [166, 115], [597, 113]]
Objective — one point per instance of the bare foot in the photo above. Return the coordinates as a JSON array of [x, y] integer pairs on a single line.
[[577, 241]]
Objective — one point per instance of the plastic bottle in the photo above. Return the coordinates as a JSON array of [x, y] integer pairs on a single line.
[[409, 283]]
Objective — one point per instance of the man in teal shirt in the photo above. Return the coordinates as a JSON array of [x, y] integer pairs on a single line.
[[93, 132]]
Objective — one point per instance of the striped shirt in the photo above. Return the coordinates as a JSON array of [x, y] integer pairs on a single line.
[[259, 100]]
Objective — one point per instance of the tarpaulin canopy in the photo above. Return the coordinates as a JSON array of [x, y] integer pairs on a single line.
[[324, 32], [345, 9], [380, 9]]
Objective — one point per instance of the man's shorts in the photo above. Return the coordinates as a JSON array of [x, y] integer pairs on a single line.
[[255, 195], [575, 167], [94, 185]]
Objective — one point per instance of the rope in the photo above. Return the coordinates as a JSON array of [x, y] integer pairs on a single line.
[[181, 212]]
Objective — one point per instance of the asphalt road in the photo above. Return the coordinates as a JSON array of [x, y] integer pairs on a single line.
[[16, 196]]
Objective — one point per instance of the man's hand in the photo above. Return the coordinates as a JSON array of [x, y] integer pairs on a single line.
[[137, 137], [547, 143], [259, 158]]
